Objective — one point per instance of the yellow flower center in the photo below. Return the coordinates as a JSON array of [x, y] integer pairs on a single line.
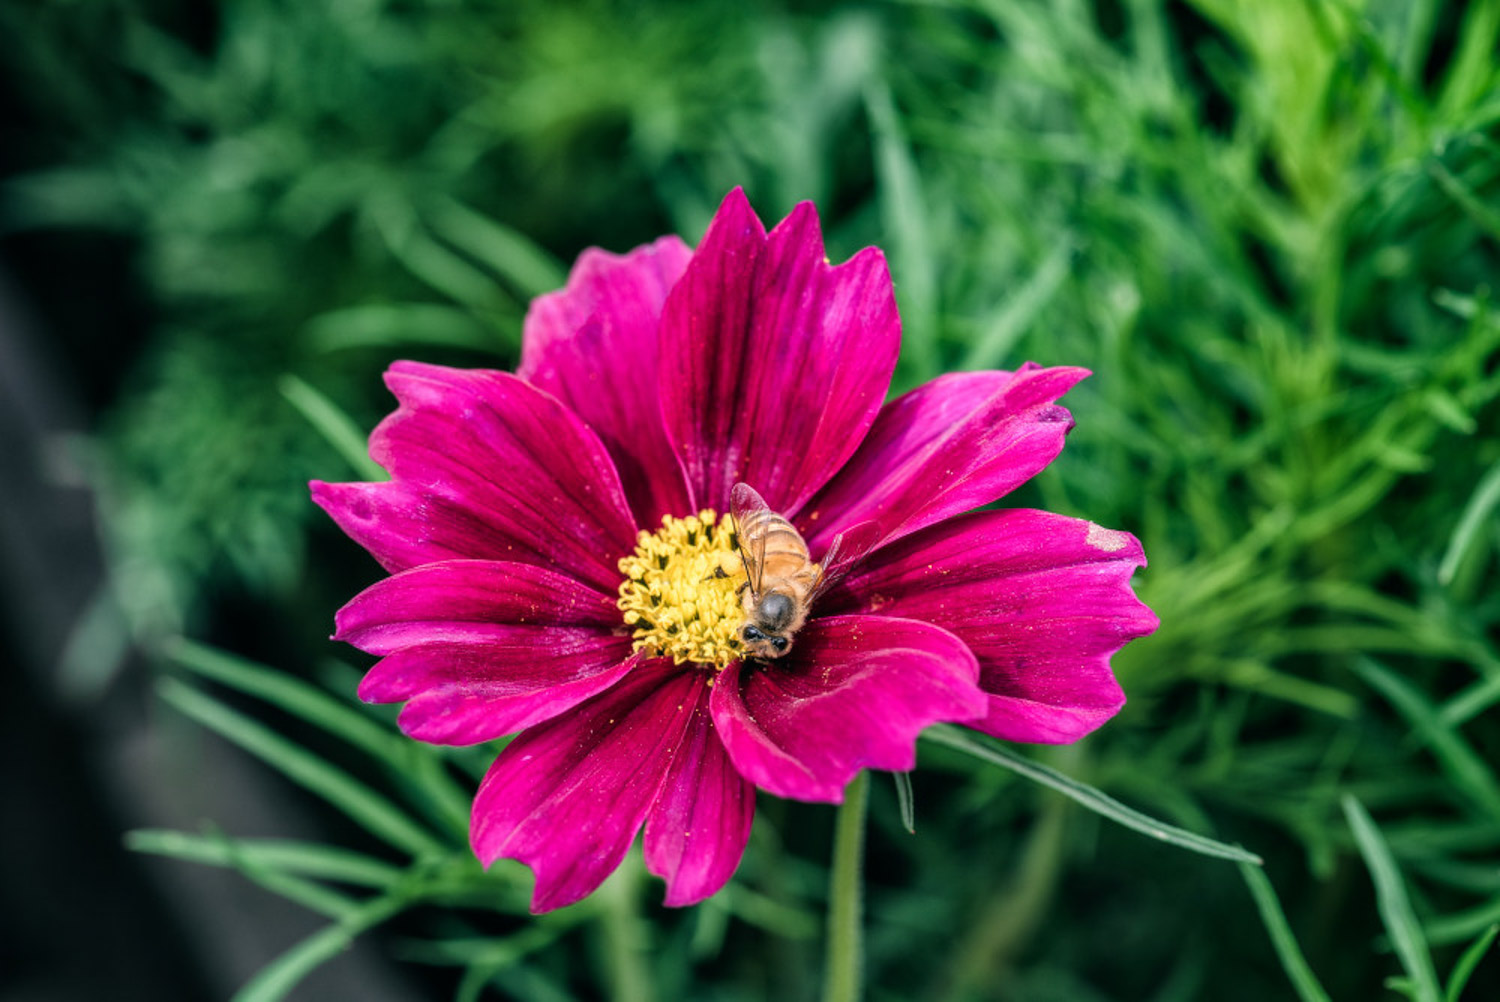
[[680, 592]]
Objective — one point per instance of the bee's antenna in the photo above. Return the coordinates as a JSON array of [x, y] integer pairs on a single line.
[[739, 544]]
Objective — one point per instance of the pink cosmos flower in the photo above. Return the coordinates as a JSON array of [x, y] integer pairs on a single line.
[[561, 565]]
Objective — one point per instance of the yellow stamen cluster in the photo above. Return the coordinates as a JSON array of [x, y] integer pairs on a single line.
[[680, 590]]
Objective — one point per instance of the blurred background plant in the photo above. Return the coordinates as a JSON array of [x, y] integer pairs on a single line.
[[1271, 229]]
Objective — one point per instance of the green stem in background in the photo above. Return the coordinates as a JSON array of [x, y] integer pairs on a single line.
[[626, 936], [1011, 918], [844, 957]]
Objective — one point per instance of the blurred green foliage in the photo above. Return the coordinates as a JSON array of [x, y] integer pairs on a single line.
[[1270, 228]]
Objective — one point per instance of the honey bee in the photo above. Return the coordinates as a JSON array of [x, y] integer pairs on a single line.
[[781, 578]]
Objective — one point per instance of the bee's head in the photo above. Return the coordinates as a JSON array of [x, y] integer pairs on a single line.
[[761, 644]]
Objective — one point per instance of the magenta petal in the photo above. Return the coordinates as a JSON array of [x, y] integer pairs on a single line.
[[461, 599], [483, 648], [403, 527], [484, 465], [697, 831], [1042, 601], [853, 694], [958, 442], [593, 345], [773, 362], [568, 796], [473, 694]]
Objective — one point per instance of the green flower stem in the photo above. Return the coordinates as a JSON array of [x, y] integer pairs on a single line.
[[844, 958], [626, 935]]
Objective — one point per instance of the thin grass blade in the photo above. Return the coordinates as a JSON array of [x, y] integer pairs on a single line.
[[1461, 925], [336, 427], [1395, 908], [512, 256], [290, 694], [284, 973], [905, 800], [441, 268], [1476, 515], [1473, 205], [907, 219], [1095, 800], [770, 915], [461, 951], [377, 814], [324, 711], [1472, 701], [224, 851], [1461, 763], [310, 859], [1287, 950], [1464, 969], [397, 325], [1015, 315], [1472, 71]]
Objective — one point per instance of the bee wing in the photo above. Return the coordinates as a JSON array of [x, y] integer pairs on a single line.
[[848, 548], [745, 503]]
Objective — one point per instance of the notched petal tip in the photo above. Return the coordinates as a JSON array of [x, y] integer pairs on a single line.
[[763, 317], [1043, 600], [735, 220], [589, 344], [321, 492], [699, 825], [736, 198], [484, 464], [568, 796], [342, 500], [802, 230], [959, 441]]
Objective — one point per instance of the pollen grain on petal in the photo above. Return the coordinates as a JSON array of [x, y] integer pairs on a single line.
[[680, 593], [1108, 540]]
